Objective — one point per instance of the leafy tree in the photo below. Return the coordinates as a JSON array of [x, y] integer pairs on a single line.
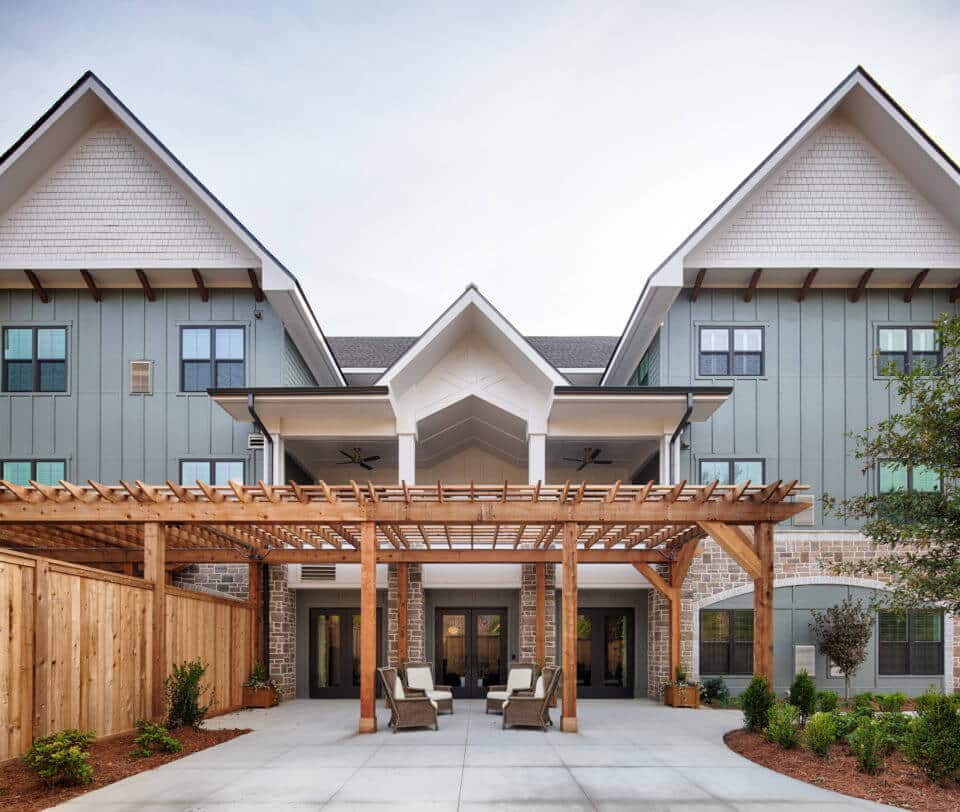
[[843, 634], [918, 534]]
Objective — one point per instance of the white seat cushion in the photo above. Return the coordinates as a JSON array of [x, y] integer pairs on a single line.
[[539, 690], [420, 678], [398, 692], [519, 679], [498, 694], [436, 694]]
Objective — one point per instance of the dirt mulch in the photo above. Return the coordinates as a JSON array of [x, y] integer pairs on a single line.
[[899, 784], [22, 791]]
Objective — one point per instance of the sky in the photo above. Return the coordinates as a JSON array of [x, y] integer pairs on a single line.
[[552, 153]]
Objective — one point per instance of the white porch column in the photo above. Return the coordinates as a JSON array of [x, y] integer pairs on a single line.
[[665, 478], [407, 458], [278, 463], [536, 458], [676, 460]]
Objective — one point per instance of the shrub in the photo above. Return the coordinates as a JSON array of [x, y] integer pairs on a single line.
[[62, 758], [863, 702], [820, 733], [803, 694], [847, 722], [154, 738], [827, 701], [182, 690], [783, 725], [715, 690], [891, 703], [756, 701], [868, 742], [933, 739], [894, 728]]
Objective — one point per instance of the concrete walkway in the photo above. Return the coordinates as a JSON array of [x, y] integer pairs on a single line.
[[629, 754]]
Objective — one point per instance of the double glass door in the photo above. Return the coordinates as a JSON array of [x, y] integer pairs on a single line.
[[335, 653], [605, 653], [471, 650]]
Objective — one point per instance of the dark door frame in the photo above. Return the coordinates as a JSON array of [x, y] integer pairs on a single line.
[[348, 690], [471, 690], [598, 651]]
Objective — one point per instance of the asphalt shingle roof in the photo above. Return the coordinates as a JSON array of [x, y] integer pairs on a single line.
[[573, 352]]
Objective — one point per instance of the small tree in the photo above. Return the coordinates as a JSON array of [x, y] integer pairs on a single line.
[[843, 634]]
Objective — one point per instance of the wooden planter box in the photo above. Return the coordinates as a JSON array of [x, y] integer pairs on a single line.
[[682, 696], [260, 697]]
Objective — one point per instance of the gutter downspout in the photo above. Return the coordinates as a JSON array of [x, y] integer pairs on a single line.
[[268, 451], [684, 422]]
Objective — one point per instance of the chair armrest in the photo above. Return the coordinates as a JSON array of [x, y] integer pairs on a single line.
[[496, 687], [445, 687], [415, 692], [414, 699]]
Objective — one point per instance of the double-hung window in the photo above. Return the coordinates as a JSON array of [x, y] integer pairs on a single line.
[[34, 359], [213, 472], [726, 641], [211, 357], [892, 476], [46, 472], [907, 348], [911, 643], [730, 472], [731, 351]]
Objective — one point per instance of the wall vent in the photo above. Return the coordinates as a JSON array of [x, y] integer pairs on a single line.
[[256, 440], [318, 572], [141, 377], [808, 517], [805, 659]]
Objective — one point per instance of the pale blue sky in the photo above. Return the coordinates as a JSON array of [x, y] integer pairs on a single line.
[[552, 153]]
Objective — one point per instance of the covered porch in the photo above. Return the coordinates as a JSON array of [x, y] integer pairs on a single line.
[[654, 528]]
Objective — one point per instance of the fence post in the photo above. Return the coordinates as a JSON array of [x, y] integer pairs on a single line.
[[155, 571], [41, 646]]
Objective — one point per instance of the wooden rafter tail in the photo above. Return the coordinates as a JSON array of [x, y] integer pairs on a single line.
[[674, 494], [704, 493], [183, 494], [212, 495], [49, 492], [239, 491], [134, 491], [150, 493], [78, 493], [807, 282], [612, 493], [148, 293], [783, 491], [752, 287], [766, 492], [38, 288], [644, 491], [857, 292], [735, 492], [106, 493], [697, 284], [328, 494], [298, 491], [91, 284]]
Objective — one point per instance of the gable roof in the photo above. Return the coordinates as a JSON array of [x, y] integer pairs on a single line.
[[72, 113], [869, 100]]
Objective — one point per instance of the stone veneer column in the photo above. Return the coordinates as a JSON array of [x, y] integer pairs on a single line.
[[415, 615], [528, 613], [282, 611], [230, 579]]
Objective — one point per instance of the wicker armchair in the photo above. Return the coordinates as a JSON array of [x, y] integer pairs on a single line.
[[416, 711], [520, 679], [532, 710], [418, 681]]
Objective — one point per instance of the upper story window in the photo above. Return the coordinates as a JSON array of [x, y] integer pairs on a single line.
[[46, 472], [917, 478], [211, 357], [726, 641], [730, 472], [907, 348], [213, 472], [911, 643], [733, 351], [34, 359]]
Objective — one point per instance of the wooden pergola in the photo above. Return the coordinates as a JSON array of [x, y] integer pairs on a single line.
[[656, 528]]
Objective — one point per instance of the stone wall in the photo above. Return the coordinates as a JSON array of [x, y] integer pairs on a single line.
[[415, 614], [528, 613], [230, 579], [282, 614]]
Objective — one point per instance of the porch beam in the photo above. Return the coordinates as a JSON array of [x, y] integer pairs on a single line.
[[155, 571], [568, 717], [368, 626], [763, 605]]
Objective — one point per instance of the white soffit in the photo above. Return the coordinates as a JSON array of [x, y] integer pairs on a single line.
[[640, 414], [316, 415]]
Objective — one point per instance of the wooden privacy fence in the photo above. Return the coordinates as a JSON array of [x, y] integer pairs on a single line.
[[77, 648]]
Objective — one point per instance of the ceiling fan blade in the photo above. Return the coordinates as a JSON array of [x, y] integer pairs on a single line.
[[345, 454], [374, 458], [603, 462], [364, 465], [572, 459], [594, 454], [582, 465], [348, 462]]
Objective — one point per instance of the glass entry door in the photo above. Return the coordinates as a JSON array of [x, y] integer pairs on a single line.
[[471, 650], [605, 653], [335, 653]]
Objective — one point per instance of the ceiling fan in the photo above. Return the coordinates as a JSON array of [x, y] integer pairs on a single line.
[[357, 458], [590, 457]]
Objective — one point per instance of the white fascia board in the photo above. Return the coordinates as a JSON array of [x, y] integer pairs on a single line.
[[647, 317], [364, 370], [291, 307]]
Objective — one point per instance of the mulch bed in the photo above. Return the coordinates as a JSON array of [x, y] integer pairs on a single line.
[[23, 791], [899, 784]]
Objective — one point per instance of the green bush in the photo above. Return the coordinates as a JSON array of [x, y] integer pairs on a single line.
[[783, 725], [863, 702], [932, 695], [820, 733], [933, 739], [827, 701], [847, 722], [756, 701], [891, 703], [715, 690], [153, 738], [895, 728], [62, 758], [803, 695], [182, 690], [868, 742]]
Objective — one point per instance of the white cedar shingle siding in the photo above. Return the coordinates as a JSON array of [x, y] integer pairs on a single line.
[[105, 199], [838, 199], [295, 371]]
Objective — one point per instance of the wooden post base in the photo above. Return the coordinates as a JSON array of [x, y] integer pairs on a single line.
[[568, 724], [368, 725]]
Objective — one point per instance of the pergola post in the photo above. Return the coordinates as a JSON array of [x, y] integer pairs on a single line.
[[763, 604], [368, 626], [402, 584], [155, 571], [669, 591], [568, 716], [540, 569]]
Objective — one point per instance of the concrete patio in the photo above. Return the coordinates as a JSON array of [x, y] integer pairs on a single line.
[[629, 754]]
